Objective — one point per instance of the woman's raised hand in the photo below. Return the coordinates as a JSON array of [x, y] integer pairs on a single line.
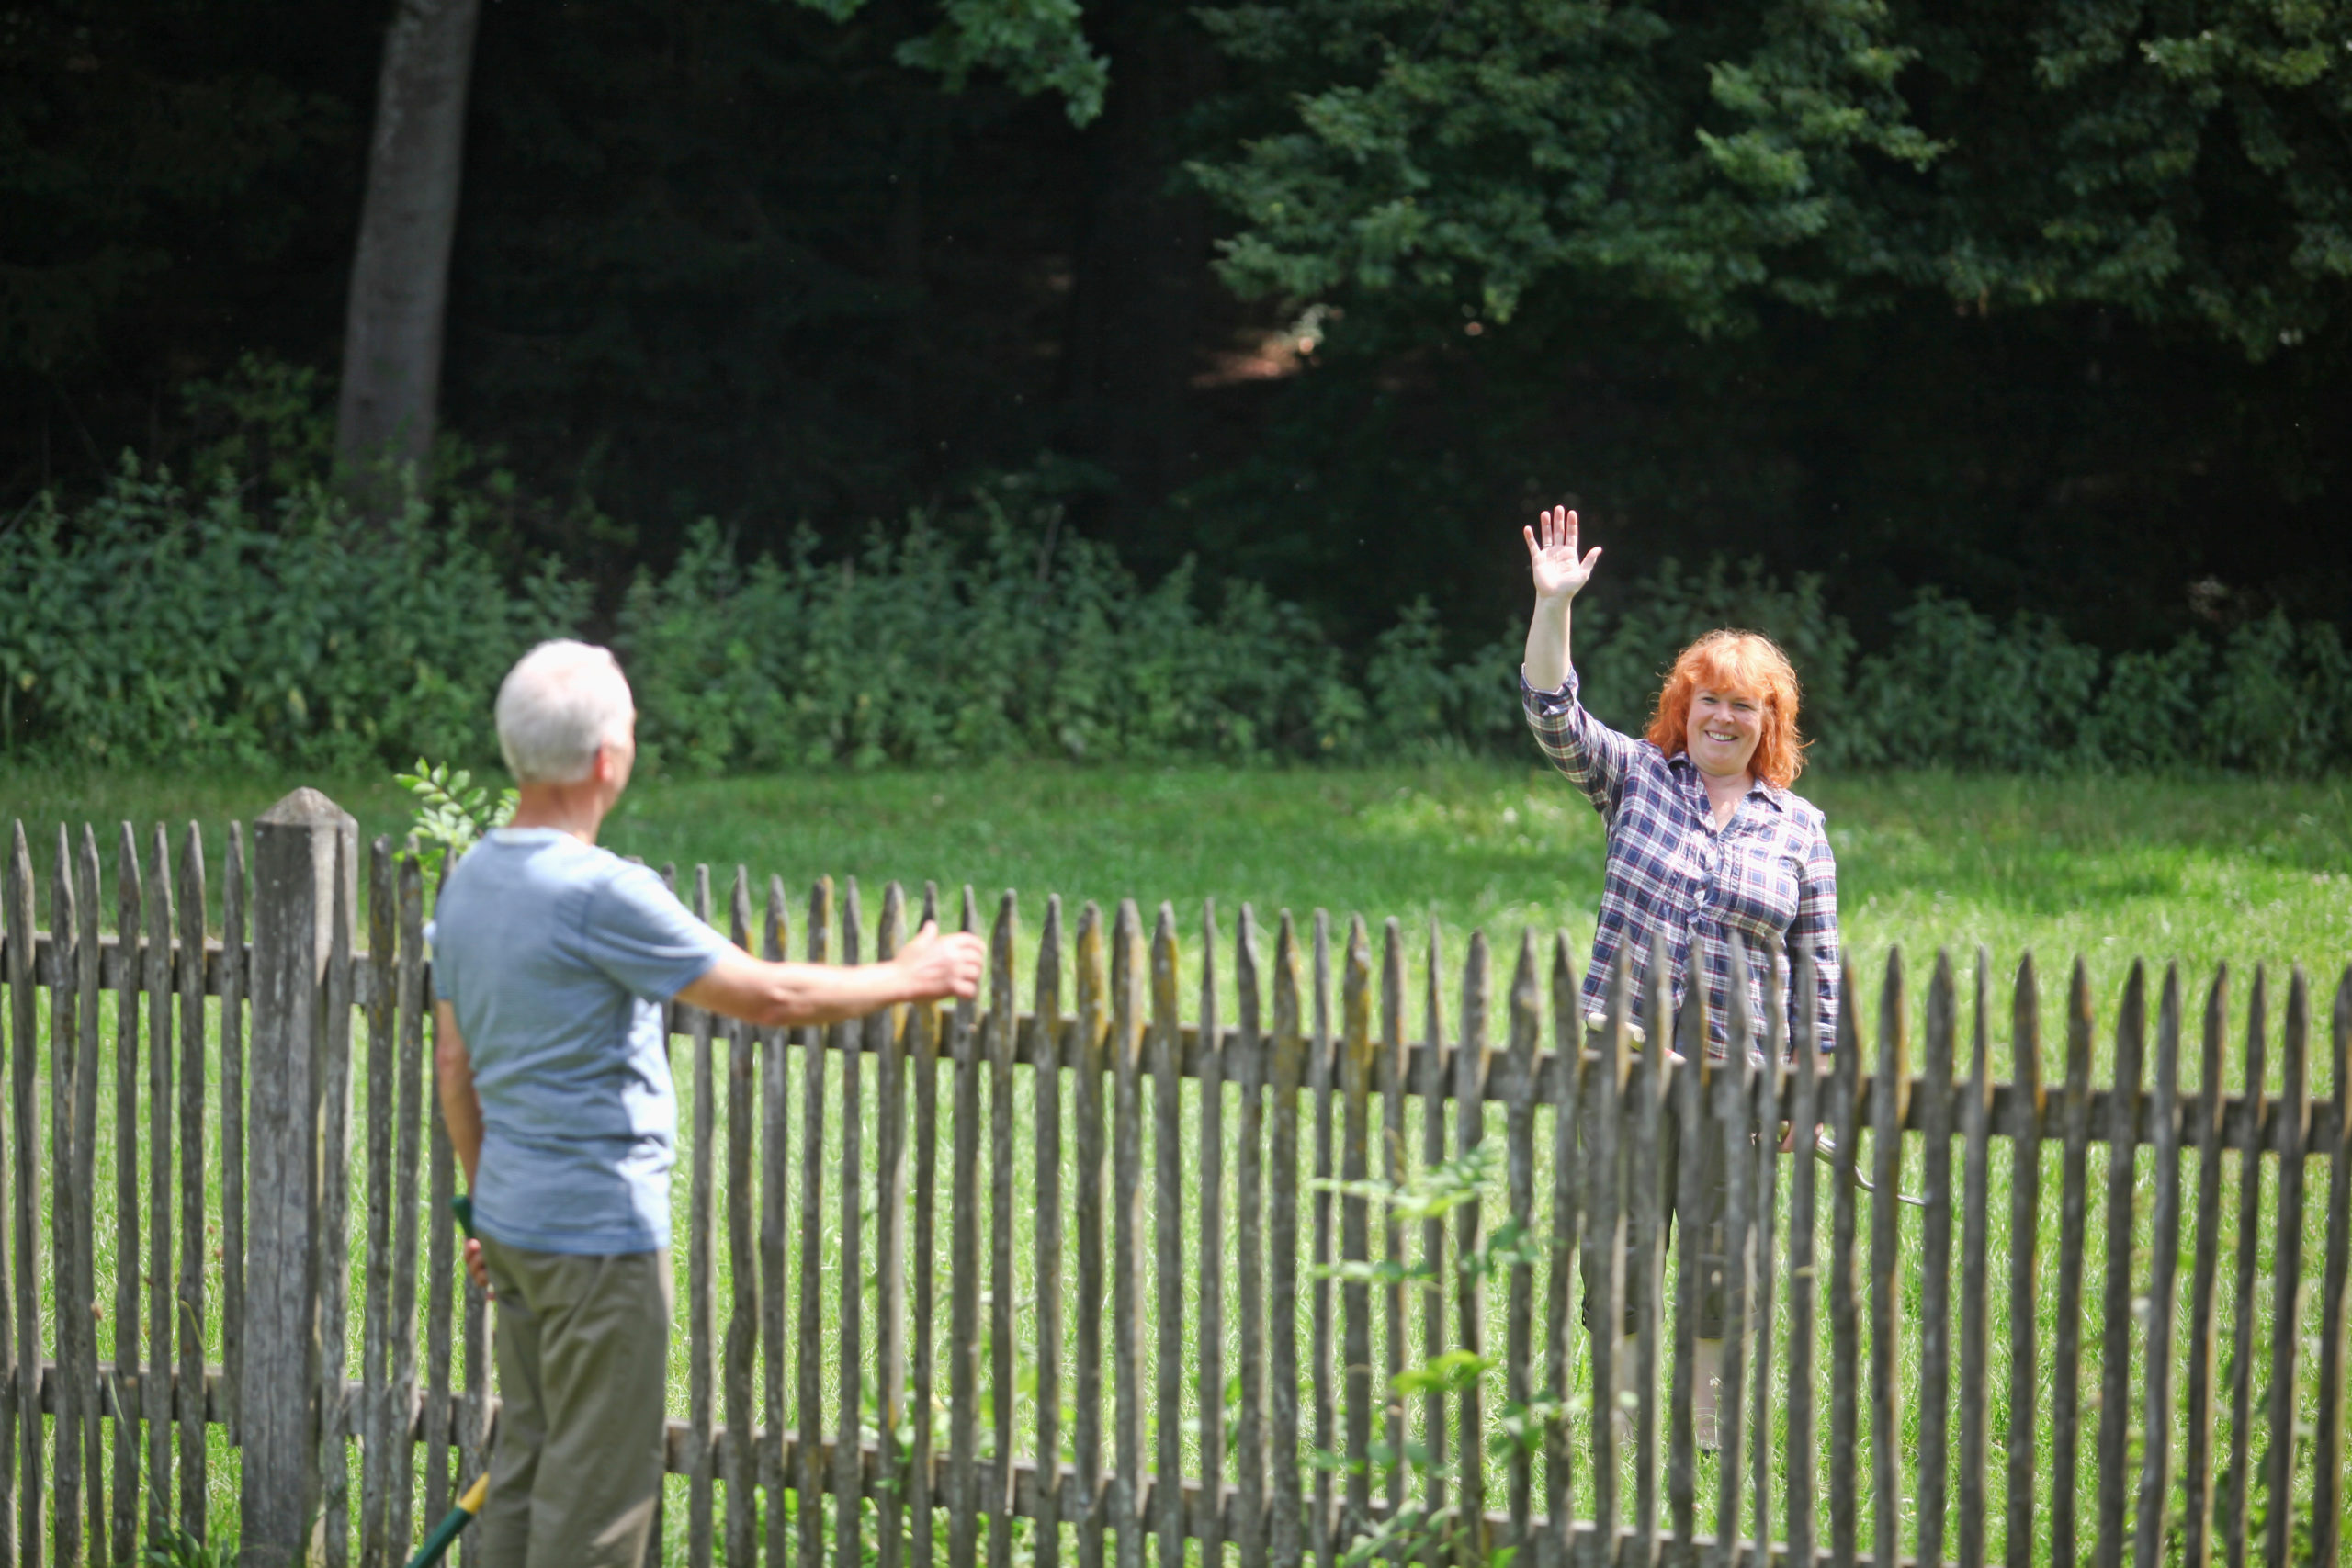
[[1551, 556]]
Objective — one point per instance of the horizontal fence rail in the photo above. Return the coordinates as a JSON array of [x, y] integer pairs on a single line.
[[1252, 1245]]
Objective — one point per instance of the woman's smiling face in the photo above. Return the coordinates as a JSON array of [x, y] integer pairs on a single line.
[[1723, 730]]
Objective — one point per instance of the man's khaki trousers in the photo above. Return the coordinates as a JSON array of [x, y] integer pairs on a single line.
[[575, 1477]]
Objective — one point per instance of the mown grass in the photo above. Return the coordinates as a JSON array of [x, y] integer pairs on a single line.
[[2111, 869]]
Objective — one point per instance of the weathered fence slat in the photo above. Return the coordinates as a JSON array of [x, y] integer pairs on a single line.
[[1127, 1013], [1321, 1378], [191, 1306], [1844, 1112], [1735, 1122], [1937, 1096], [2286, 1269], [1887, 1092], [1567, 1051], [128, 1330], [413, 1090], [886, 1037], [1044, 1055], [739, 1464], [379, 1441], [774, 1179], [156, 1391], [2163, 1224], [2115, 1315], [1524, 1026], [964, 1279], [1692, 1123], [2201, 1333], [1168, 1219], [233, 987], [1470, 1068], [1004, 1009], [1764, 1137], [2025, 1193], [1092, 1197], [1604, 1303], [1434, 1079], [24, 1067], [1355, 1234], [1282, 1248], [809, 1403], [64, 954], [2066, 1347], [2327, 1454], [1647, 1288], [702, 1320], [440, 1311], [1805, 1289], [2237, 1479], [83, 1307], [849, 1489], [1249, 1437], [1975, 1285], [1210, 1334], [333, 1248]]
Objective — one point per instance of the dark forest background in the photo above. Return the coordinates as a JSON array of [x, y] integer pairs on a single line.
[[733, 259]]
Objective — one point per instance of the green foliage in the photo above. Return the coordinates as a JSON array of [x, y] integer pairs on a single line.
[[1031, 643], [452, 812], [1039, 45], [1417, 1533], [179, 1549], [1822, 154], [154, 626]]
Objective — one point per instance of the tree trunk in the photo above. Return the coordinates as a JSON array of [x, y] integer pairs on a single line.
[[400, 275]]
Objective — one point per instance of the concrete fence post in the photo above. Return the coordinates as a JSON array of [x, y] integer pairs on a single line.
[[301, 847]]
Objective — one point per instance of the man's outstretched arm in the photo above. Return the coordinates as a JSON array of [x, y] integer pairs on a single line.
[[929, 967]]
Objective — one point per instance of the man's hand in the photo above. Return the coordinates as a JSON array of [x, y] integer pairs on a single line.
[[936, 966], [1552, 558], [475, 1269]]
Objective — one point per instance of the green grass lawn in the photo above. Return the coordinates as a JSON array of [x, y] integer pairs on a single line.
[[2198, 870], [2109, 869]]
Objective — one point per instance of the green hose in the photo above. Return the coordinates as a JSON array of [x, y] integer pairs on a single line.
[[452, 1525]]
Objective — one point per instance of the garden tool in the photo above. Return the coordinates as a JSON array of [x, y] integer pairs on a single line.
[[1827, 1147]]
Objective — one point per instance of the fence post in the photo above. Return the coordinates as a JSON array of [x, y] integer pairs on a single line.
[[301, 846]]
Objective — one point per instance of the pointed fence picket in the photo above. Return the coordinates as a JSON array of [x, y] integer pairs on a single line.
[[1121, 1283]]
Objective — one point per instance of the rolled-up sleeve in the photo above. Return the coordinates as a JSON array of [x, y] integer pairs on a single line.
[[1595, 758], [1815, 932]]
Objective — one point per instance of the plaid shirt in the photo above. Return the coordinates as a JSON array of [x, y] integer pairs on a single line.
[[1769, 876]]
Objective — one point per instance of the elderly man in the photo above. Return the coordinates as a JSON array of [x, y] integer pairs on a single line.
[[552, 958]]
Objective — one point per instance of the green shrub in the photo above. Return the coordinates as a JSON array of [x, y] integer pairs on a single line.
[[152, 624], [916, 652]]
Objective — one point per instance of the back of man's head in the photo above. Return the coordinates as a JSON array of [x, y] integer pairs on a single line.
[[560, 702]]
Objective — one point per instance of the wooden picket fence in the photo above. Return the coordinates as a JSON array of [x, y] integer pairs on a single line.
[[1114, 1280]]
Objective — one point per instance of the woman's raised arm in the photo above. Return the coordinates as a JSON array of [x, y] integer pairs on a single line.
[[1560, 574]]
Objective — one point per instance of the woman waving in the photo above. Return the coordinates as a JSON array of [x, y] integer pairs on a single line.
[[1706, 842]]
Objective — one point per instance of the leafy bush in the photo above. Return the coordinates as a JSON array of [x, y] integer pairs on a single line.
[[916, 652], [153, 625]]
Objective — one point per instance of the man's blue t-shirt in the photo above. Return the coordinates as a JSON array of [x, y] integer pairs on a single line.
[[557, 957]]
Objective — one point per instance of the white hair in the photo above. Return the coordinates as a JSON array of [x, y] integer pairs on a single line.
[[561, 702]]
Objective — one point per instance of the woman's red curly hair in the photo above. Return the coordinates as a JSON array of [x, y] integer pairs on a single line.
[[1732, 661]]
